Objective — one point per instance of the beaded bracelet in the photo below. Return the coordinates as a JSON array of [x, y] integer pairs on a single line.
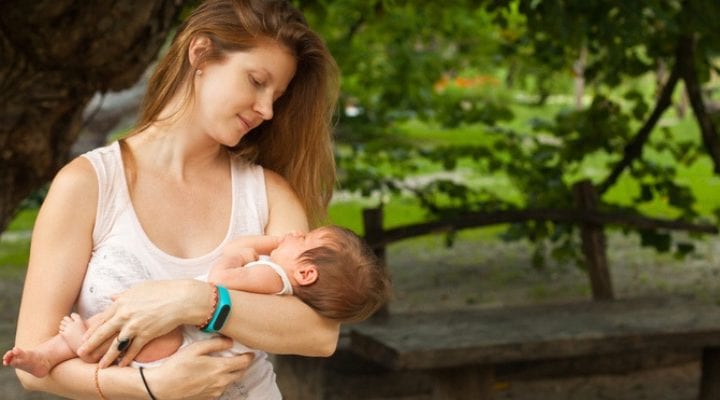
[[97, 384], [212, 308]]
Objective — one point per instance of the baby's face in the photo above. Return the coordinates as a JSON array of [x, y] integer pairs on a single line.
[[294, 244]]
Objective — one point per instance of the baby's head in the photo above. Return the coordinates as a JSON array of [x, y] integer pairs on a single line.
[[335, 272]]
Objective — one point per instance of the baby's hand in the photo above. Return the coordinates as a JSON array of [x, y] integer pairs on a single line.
[[233, 257]]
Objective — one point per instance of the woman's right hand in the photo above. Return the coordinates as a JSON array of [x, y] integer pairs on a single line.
[[193, 374], [144, 312]]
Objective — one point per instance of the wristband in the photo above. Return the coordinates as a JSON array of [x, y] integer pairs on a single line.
[[222, 310]]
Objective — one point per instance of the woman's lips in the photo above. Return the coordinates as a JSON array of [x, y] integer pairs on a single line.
[[244, 123]]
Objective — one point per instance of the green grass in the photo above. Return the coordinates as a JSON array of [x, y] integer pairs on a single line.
[[23, 221], [14, 252], [398, 212], [15, 244]]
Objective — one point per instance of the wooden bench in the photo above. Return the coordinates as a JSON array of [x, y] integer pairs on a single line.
[[462, 349], [456, 355]]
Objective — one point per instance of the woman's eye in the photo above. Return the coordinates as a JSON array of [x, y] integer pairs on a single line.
[[256, 82]]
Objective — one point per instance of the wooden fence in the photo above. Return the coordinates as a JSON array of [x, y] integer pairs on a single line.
[[586, 215]]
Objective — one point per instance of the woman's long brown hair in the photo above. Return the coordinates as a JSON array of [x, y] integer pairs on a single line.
[[297, 142]]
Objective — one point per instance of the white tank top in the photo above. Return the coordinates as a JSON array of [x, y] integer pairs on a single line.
[[123, 255]]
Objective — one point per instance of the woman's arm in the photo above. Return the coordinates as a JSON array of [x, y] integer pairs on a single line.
[[185, 375], [60, 250], [280, 325]]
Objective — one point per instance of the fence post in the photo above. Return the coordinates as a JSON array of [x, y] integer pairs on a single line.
[[593, 243], [373, 226]]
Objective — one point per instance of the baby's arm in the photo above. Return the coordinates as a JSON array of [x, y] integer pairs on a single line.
[[260, 279], [237, 253], [262, 244]]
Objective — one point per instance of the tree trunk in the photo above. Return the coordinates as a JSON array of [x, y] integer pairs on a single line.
[[55, 56], [579, 77], [709, 134]]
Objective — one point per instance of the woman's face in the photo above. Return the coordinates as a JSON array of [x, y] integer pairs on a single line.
[[237, 95]]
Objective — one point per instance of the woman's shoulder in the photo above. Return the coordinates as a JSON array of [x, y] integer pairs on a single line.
[[286, 211], [277, 187], [274, 180], [76, 179]]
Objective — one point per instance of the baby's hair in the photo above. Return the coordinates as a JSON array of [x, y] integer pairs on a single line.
[[352, 283]]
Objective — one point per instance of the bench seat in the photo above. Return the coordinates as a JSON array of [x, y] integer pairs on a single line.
[[462, 348]]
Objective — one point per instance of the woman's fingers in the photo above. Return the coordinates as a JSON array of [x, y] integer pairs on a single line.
[[126, 349], [123, 343], [101, 316], [185, 374], [100, 333]]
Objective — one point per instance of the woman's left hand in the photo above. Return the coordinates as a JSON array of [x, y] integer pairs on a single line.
[[145, 312]]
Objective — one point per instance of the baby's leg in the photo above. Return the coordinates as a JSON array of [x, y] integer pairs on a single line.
[[161, 347], [72, 329], [41, 359]]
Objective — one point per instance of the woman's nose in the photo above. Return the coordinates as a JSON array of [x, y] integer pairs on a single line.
[[264, 107]]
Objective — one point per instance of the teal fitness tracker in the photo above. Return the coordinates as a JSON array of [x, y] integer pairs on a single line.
[[224, 304]]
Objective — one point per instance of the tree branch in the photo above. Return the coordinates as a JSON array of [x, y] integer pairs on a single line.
[[689, 75], [633, 150]]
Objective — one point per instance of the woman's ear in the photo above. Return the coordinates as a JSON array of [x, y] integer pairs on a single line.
[[199, 45], [306, 274]]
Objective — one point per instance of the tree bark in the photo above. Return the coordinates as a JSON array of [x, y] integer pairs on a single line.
[[55, 56]]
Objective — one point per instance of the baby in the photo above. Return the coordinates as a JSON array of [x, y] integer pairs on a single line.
[[330, 268]]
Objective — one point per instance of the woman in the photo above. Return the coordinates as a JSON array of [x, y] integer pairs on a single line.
[[234, 138]]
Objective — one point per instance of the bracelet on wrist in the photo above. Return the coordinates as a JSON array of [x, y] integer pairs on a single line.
[[147, 388], [213, 307], [221, 311], [99, 391]]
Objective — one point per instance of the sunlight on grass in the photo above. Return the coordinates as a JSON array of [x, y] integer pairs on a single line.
[[14, 252], [15, 244], [23, 221]]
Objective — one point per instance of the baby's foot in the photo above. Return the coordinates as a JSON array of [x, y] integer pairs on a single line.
[[28, 361], [72, 329]]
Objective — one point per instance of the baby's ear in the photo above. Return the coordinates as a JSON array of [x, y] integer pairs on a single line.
[[306, 274]]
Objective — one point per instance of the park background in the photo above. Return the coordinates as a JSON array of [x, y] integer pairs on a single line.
[[449, 111]]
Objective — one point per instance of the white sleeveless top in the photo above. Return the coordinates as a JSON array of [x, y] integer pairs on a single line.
[[123, 255]]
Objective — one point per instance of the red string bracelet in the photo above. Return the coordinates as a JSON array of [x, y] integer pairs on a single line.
[[212, 308]]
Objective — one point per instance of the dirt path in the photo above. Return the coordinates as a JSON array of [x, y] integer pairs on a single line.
[[491, 273]]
